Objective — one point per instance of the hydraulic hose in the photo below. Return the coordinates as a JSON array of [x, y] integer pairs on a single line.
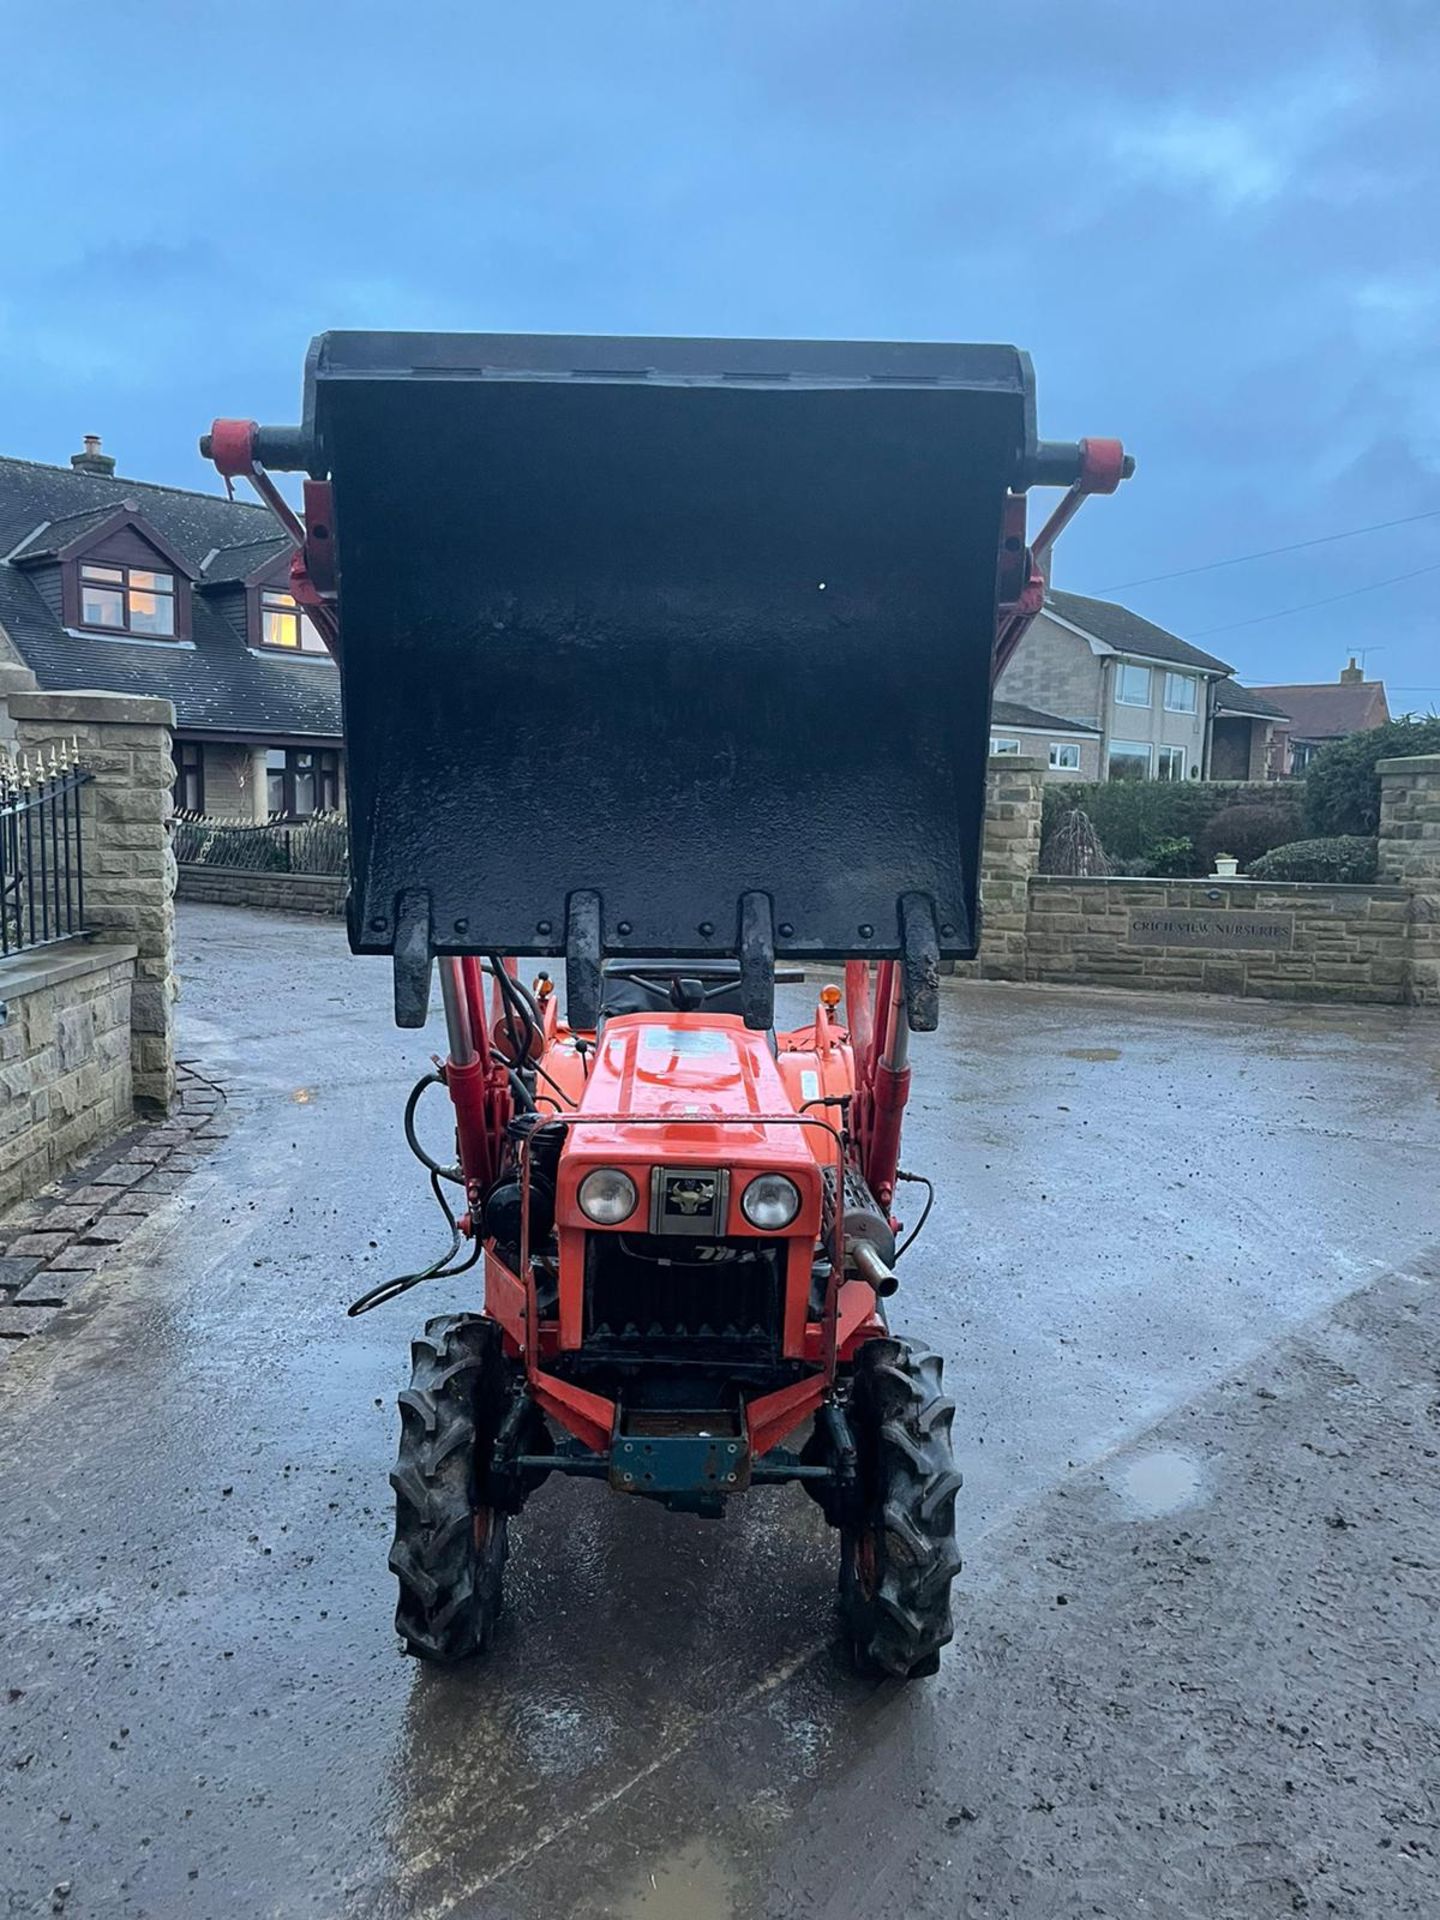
[[411, 1139]]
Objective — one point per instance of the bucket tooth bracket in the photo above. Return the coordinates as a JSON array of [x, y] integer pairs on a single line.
[[920, 962], [757, 961], [583, 949], [414, 957]]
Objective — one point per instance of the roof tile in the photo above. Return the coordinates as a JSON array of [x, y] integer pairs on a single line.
[[1127, 632], [218, 683]]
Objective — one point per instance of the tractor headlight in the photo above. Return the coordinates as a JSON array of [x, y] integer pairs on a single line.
[[607, 1196], [770, 1202]]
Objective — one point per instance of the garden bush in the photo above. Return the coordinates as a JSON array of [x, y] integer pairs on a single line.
[[1132, 817], [1248, 830], [1171, 859], [1071, 846], [1342, 788], [1342, 859]]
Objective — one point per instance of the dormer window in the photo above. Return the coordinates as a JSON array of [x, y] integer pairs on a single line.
[[127, 600], [285, 624], [117, 574]]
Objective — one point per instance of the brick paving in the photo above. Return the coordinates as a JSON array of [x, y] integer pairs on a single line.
[[55, 1244]]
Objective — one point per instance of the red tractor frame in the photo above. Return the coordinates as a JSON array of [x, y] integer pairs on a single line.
[[686, 1214]]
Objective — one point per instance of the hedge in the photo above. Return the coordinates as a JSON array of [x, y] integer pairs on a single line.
[[1342, 788], [1249, 830], [1343, 860], [1134, 817]]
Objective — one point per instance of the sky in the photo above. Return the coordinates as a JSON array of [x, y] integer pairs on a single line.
[[1214, 226]]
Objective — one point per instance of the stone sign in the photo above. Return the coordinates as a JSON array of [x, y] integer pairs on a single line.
[[1211, 927]]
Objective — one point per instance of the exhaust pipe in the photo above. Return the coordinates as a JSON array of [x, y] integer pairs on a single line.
[[871, 1267]]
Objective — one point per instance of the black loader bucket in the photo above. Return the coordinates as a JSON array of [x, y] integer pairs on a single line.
[[666, 647]]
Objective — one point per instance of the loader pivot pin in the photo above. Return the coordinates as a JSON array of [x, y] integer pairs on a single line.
[[231, 445]]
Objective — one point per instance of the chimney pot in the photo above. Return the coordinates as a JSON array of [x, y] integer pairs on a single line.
[[91, 460], [1352, 674]]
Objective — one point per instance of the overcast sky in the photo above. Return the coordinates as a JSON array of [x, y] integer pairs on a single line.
[[1214, 226]]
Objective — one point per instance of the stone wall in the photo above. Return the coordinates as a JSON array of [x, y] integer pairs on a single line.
[[287, 892], [124, 742], [1376, 944], [1015, 788], [1410, 855], [1324, 942], [65, 1072], [1056, 671]]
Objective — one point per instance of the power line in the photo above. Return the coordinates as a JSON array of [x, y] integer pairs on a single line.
[[1308, 605], [1268, 553]]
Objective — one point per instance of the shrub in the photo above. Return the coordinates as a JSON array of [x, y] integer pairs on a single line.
[[1072, 846], [1343, 860], [1342, 788], [1133, 816], [1170, 859], [1248, 830]]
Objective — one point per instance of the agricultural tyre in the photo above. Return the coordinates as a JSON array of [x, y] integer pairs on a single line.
[[897, 1540], [450, 1543]]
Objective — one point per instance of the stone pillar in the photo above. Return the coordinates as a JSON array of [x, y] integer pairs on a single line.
[[1014, 787], [129, 867], [1410, 857], [15, 677], [259, 785]]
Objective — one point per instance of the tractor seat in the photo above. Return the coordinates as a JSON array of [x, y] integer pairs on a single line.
[[669, 986]]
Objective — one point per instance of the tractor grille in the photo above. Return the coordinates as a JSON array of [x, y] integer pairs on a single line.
[[648, 1290]]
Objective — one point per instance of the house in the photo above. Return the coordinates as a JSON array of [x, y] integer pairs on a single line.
[[1142, 694], [1315, 715], [123, 586], [1069, 748], [1242, 733]]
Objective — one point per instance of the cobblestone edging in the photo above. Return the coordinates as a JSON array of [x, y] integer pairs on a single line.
[[51, 1245]]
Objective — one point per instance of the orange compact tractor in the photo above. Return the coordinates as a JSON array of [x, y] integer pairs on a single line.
[[670, 660]]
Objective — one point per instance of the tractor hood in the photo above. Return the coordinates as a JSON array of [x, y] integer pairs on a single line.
[[689, 1066]]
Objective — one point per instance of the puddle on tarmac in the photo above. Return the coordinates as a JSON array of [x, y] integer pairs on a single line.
[[690, 1885], [1157, 1483], [1092, 1053]]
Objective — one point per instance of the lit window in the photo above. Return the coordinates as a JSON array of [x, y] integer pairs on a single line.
[[1132, 685], [128, 600], [1003, 746], [285, 625], [1172, 764], [1065, 756], [1129, 760], [1180, 693]]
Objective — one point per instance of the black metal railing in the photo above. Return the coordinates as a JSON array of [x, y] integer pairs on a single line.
[[319, 844], [42, 879]]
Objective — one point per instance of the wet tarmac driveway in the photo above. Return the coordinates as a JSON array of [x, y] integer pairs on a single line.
[[207, 1711]]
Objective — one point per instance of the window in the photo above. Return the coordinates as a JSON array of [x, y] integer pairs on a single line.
[[1172, 764], [1065, 756], [127, 600], [1180, 692], [300, 781], [1132, 685], [998, 745], [1129, 760], [189, 788], [284, 625]]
